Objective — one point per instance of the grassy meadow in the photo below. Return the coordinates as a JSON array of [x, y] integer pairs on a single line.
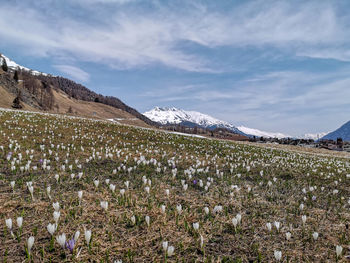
[[81, 190]]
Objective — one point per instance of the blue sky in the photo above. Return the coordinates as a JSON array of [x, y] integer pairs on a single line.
[[273, 65]]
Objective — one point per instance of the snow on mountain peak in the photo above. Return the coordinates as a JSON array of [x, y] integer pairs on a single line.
[[14, 66], [313, 136], [165, 115]]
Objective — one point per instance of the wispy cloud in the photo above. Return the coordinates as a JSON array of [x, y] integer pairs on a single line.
[[73, 72], [128, 38]]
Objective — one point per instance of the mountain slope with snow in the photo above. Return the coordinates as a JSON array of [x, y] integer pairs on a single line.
[[259, 133], [313, 136], [187, 118], [14, 66]]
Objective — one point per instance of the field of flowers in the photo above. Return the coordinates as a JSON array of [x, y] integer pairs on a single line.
[[79, 190]]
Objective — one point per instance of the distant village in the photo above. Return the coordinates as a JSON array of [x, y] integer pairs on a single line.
[[223, 133], [338, 145]]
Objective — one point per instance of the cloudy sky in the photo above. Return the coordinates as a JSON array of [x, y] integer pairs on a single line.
[[274, 65]]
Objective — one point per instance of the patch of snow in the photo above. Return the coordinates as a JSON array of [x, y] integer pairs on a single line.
[[187, 134]]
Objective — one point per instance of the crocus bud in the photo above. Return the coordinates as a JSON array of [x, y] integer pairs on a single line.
[[338, 250], [61, 240], [51, 228], [87, 236], [9, 223], [19, 221], [30, 243], [147, 219]]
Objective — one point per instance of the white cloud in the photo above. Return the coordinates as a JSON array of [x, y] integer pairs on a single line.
[[74, 72], [126, 38]]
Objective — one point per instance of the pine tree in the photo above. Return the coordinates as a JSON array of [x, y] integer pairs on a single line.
[[15, 77], [4, 65]]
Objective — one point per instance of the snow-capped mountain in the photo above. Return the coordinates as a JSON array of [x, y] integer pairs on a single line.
[[192, 118], [187, 118], [14, 66], [259, 133], [313, 136]]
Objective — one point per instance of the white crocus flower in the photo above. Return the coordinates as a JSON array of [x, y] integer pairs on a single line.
[[48, 191], [338, 250], [133, 220], [56, 216], [269, 226], [147, 189], [165, 245], [112, 187], [104, 205], [278, 255], [96, 183], [12, 183], [179, 209], [19, 221], [288, 235], [51, 228], [277, 225], [170, 251], [87, 234], [234, 222], [61, 240], [239, 218], [76, 236], [303, 219], [162, 207], [9, 223], [30, 243], [80, 196], [147, 219], [56, 206]]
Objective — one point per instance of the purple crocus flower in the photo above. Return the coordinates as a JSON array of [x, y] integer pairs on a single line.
[[70, 245], [194, 181], [41, 161]]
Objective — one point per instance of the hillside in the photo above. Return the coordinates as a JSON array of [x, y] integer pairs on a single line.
[[49, 93], [342, 132], [83, 190]]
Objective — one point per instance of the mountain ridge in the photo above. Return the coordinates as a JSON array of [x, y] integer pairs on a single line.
[[173, 115], [342, 132]]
